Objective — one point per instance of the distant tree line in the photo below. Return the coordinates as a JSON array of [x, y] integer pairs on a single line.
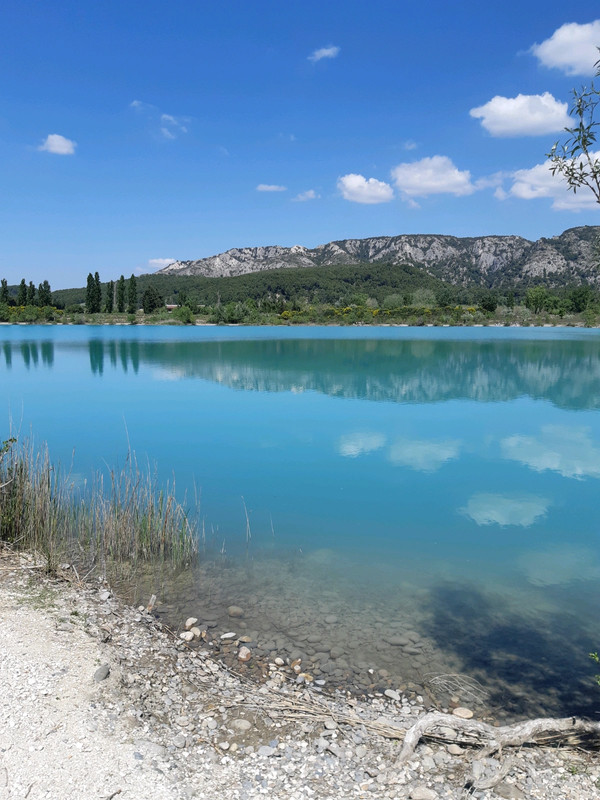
[[120, 296], [26, 294]]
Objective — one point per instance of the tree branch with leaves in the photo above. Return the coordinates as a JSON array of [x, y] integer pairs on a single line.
[[575, 160]]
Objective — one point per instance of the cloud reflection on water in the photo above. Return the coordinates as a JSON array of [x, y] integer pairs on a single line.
[[499, 509], [559, 565], [567, 450], [423, 455], [357, 444]]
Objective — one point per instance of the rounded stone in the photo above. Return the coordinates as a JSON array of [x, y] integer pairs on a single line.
[[244, 654], [397, 640], [463, 713], [102, 673], [190, 622], [241, 725], [235, 612]]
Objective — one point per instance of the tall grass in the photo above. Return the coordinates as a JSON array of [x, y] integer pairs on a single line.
[[129, 522]]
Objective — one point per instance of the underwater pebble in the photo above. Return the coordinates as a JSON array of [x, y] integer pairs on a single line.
[[463, 713], [244, 654]]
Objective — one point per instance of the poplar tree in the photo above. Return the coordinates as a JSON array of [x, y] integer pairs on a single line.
[[44, 294], [97, 293], [93, 294], [132, 303], [4, 291], [89, 294], [31, 294], [22, 293], [121, 295], [110, 297]]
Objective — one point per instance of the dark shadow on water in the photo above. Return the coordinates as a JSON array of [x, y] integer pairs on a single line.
[[532, 664]]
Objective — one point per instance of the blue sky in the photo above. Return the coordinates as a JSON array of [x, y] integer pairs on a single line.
[[132, 134]]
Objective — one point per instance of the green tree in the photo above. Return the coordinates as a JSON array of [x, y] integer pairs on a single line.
[[536, 299], [97, 293], [151, 300], [132, 299], [31, 294], [488, 301], [121, 295], [575, 159], [580, 298], [110, 297], [22, 293], [4, 297], [93, 294], [44, 294], [89, 294]]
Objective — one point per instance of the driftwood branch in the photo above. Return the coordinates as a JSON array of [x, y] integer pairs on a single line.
[[570, 731]]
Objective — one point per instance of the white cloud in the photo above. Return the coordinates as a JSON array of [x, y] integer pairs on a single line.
[[571, 48], [310, 194], [270, 187], [422, 455], [160, 263], [568, 451], [523, 115], [539, 182], [410, 145], [169, 126], [324, 52], [499, 509], [357, 444], [432, 175], [560, 565], [61, 146], [172, 126], [359, 189], [139, 105]]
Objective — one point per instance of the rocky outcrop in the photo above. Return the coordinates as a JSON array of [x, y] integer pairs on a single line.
[[484, 260]]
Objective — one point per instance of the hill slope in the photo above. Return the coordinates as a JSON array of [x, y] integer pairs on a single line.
[[571, 257]]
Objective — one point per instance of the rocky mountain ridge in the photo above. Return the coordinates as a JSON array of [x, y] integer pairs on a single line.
[[570, 257]]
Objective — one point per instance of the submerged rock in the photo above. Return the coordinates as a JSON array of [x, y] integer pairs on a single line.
[[244, 653], [463, 713]]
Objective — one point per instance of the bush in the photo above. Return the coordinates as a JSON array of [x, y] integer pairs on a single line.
[[184, 314]]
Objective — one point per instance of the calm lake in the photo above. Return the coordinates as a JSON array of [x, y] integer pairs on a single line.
[[421, 502]]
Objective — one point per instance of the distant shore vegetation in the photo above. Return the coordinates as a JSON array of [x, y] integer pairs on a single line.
[[342, 295]]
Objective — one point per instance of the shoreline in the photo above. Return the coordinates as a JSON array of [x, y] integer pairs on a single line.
[[168, 722], [168, 324]]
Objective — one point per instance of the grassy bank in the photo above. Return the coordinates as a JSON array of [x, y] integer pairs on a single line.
[[244, 313], [129, 522]]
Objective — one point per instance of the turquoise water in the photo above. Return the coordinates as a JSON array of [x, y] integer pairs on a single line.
[[441, 482]]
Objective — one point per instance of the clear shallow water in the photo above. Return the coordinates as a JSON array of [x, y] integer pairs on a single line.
[[441, 483]]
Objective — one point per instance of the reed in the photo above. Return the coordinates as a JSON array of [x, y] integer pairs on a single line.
[[128, 519]]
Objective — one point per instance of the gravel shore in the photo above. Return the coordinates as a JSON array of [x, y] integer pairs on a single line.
[[99, 700]]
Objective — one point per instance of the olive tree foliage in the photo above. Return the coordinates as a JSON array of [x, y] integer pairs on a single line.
[[575, 159]]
